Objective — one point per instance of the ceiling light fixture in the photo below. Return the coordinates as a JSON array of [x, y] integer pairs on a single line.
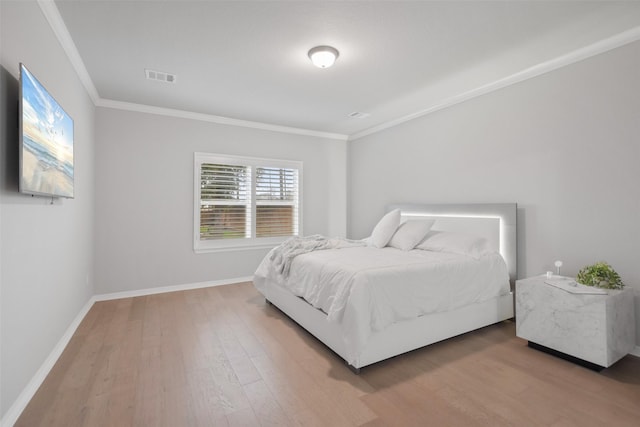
[[323, 56], [358, 115]]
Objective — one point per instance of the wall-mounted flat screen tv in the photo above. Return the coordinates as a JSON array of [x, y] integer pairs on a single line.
[[46, 141]]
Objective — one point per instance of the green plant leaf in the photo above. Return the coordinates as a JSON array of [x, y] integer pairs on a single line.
[[600, 275]]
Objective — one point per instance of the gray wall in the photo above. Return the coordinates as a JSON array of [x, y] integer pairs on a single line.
[[144, 196], [46, 250], [565, 146]]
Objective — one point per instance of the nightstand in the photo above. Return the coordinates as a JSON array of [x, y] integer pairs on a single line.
[[597, 330]]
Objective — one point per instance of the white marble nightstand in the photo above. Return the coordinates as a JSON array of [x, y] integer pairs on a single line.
[[599, 329]]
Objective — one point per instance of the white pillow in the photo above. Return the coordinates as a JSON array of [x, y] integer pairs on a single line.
[[385, 228], [410, 233], [457, 243]]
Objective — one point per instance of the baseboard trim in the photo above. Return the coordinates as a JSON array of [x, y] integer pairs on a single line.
[[14, 412], [173, 288], [636, 351]]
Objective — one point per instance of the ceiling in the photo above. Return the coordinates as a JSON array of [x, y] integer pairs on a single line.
[[247, 60]]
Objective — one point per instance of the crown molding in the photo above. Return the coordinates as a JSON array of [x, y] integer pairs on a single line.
[[141, 108], [58, 26], [572, 57]]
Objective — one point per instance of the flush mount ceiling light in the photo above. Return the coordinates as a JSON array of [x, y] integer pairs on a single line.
[[323, 56]]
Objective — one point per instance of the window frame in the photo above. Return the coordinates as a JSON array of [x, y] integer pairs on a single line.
[[217, 245]]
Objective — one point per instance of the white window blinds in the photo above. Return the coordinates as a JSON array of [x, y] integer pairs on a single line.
[[225, 201], [276, 202], [245, 202]]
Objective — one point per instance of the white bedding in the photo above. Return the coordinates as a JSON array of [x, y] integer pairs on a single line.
[[283, 255], [366, 289]]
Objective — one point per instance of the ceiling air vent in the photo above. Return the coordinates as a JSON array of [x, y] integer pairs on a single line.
[[160, 76], [359, 115]]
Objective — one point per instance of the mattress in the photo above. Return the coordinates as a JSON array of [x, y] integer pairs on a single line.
[[367, 289]]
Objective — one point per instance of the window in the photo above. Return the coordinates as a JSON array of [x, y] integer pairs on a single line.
[[244, 202]]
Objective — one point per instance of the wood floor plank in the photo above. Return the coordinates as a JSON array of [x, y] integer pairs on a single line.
[[284, 392], [245, 371], [297, 394], [265, 406], [121, 405], [221, 357], [243, 418], [346, 397], [93, 412]]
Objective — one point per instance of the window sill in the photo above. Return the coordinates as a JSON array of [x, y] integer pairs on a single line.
[[251, 247]]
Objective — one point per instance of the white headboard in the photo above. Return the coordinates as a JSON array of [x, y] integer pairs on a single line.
[[494, 221]]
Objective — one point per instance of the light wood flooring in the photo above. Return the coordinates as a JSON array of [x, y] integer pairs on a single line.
[[222, 357]]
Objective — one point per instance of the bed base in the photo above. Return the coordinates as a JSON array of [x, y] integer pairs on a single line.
[[398, 338]]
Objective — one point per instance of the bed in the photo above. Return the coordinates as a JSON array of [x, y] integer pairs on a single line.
[[385, 301]]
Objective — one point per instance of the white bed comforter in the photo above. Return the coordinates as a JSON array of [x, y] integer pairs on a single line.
[[366, 289], [283, 255]]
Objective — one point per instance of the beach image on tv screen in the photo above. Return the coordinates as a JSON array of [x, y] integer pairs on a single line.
[[47, 142]]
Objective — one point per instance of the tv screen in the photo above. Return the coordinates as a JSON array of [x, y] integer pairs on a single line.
[[46, 141]]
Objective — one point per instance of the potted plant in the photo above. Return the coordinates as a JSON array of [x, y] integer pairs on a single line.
[[600, 275]]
